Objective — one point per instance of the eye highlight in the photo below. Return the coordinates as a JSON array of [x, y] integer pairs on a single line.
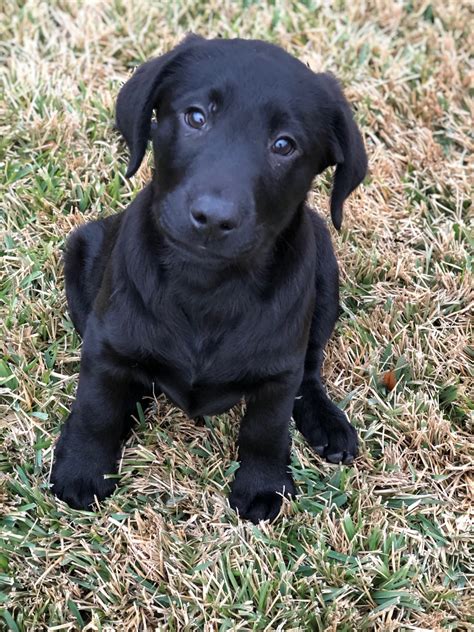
[[195, 118], [283, 146]]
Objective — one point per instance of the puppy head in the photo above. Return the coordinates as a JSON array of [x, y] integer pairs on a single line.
[[242, 129]]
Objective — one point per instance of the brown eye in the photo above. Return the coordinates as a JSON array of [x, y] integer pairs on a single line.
[[283, 146], [195, 118]]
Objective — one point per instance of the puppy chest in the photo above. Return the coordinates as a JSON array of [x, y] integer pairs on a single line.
[[199, 381], [204, 359]]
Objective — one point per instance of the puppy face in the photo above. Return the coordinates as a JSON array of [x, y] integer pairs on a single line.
[[242, 129]]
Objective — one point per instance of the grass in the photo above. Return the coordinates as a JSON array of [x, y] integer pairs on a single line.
[[384, 545]]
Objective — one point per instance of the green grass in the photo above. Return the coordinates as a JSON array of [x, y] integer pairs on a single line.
[[386, 544]]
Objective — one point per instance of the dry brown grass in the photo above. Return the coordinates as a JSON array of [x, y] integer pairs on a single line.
[[384, 545]]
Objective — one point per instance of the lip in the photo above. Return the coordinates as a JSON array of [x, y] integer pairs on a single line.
[[195, 250], [203, 254]]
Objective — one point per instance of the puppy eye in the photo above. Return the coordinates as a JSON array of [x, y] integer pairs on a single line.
[[195, 118], [283, 146]]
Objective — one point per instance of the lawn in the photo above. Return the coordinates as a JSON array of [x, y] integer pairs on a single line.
[[386, 544]]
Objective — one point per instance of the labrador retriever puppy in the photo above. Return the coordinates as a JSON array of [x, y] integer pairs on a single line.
[[217, 283]]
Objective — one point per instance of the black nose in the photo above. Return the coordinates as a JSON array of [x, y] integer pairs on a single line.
[[214, 216]]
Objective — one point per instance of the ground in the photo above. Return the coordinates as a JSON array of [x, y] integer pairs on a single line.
[[383, 545]]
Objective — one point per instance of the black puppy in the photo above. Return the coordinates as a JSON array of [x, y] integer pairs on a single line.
[[217, 283]]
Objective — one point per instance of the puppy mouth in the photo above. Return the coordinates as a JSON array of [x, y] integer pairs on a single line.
[[196, 249], [206, 252]]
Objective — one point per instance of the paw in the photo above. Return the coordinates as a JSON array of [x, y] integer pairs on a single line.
[[257, 497], [326, 429], [336, 441], [78, 475]]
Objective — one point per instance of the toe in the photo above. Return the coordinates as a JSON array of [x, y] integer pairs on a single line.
[[264, 507], [261, 504], [335, 457], [320, 449], [348, 458]]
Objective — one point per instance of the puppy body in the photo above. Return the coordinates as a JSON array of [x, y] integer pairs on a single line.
[[164, 330], [211, 288]]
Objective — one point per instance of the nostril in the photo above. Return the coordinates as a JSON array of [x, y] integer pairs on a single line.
[[200, 218], [213, 216], [226, 226]]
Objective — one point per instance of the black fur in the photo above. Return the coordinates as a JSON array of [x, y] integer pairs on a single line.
[[217, 283]]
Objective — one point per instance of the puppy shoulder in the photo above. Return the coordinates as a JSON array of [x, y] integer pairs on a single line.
[[320, 227], [325, 257]]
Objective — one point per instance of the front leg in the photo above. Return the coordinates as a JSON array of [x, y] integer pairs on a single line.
[[90, 442], [322, 423], [264, 452]]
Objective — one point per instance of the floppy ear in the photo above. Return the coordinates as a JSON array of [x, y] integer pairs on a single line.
[[346, 151], [137, 99]]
